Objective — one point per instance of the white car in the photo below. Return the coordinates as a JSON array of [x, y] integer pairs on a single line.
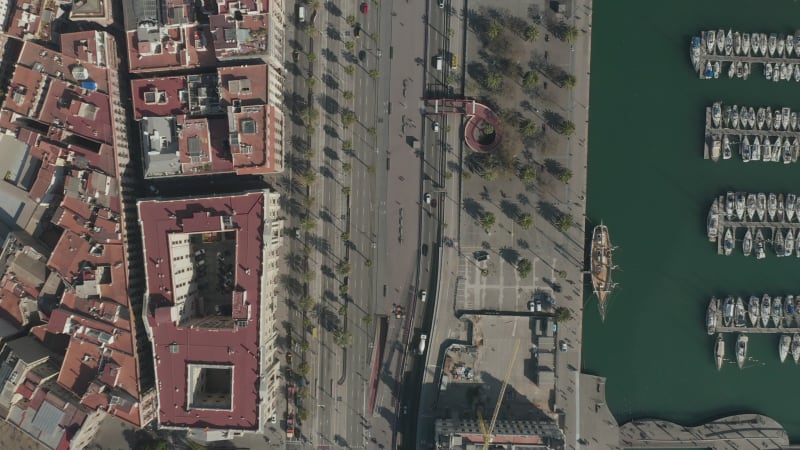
[[273, 419], [423, 295], [435, 127], [441, 3], [427, 198]]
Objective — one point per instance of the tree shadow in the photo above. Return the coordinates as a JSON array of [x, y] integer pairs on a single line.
[[291, 284], [333, 33], [330, 81], [523, 199], [331, 131], [329, 55], [320, 244], [473, 208], [333, 9], [523, 244], [486, 245], [326, 172], [325, 216], [549, 211], [510, 209], [329, 295], [329, 104], [553, 167], [328, 318], [331, 153], [295, 261], [290, 205], [510, 255], [477, 71], [327, 271]]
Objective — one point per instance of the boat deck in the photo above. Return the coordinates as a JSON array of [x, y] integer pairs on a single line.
[[715, 133]]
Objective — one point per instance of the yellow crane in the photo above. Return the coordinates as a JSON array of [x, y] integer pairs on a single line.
[[487, 433]]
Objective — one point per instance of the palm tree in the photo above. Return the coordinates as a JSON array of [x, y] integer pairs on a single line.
[[564, 222], [312, 57], [493, 81], [569, 81], [348, 118], [349, 69], [524, 268], [311, 82], [570, 34], [565, 175], [306, 303], [348, 95], [528, 174], [342, 338], [525, 221], [347, 167], [530, 33], [529, 128], [487, 221], [345, 236], [351, 20], [494, 30], [374, 73], [349, 45], [346, 190], [568, 128], [303, 369], [372, 131], [308, 177], [530, 79], [312, 31], [309, 115], [308, 223], [343, 267], [562, 314], [347, 146]]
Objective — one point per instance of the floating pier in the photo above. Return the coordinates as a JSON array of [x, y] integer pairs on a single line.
[[725, 222], [716, 134]]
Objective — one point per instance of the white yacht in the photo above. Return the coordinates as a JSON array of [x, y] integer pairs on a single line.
[[726, 147], [745, 149], [767, 118], [783, 346], [771, 44], [751, 117], [754, 310], [766, 149], [781, 45], [711, 315], [741, 350], [777, 243], [788, 243], [772, 206], [787, 151], [755, 149], [776, 120], [766, 308], [745, 44], [712, 224], [786, 117], [737, 43], [720, 41], [751, 206], [777, 312], [760, 246], [764, 44], [796, 347], [789, 45], [716, 113], [797, 72], [728, 243], [719, 351], [740, 205], [735, 117], [781, 208], [793, 121], [747, 242], [729, 43], [761, 205], [768, 71], [791, 202], [776, 149], [732, 70], [710, 41], [727, 311], [717, 69], [760, 118]]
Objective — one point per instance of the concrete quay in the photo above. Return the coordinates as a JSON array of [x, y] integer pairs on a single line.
[[742, 432]]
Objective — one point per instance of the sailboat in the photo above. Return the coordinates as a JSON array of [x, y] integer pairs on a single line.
[[783, 346], [766, 308], [719, 351], [711, 315], [601, 266], [741, 350], [747, 242], [754, 311], [796, 347], [760, 252]]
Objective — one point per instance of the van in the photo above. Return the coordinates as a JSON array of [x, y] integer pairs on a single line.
[[301, 14], [437, 62]]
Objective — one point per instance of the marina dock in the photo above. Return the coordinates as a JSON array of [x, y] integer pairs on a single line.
[[769, 226], [713, 133]]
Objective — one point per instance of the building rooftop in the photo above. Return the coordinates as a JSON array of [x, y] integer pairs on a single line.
[[157, 48], [238, 34], [177, 12], [24, 91], [83, 112], [160, 97], [253, 134], [63, 66], [184, 348], [247, 84], [85, 46]]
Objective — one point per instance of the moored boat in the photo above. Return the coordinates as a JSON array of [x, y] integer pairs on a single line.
[[737, 43], [787, 151], [788, 311], [719, 351], [788, 242], [727, 311], [776, 120], [772, 206], [710, 41], [767, 119], [761, 205], [760, 251], [783, 346], [753, 310], [789, 45], [747, 242], [728, 243], [793, 120], [776, 149], [716, 113], [777, 311], [760, 118], [695, 51], [740, 313], [768, 71], [781, 208], [751, 117], [726, 115], [777, 243], [741, 350], [755, 149], [727, 153], [729, 43], [771, 43], [745, 44], [766, 309], [796, 348], [735, 117], [712, 225], [797, 72], [717, 69], [720, 37], [740, 205], [781, 45], [797, 246], [791, 203], [786, 117], [711, 315], [751, 206], [601, 266], [747, 153], [764, 44]]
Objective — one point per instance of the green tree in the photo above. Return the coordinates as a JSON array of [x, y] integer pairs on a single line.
[[349, 69], [530, 79], [368, 262], [308, 223], [348, 95], [529, 128], [570, 34], [347, 167], [450, 33], [530, 33], [309, 275], [348, 118], [309, 115], [375, 36], [349, 45], [308, 177], [343, 289], [342, 338], [569, 81], [347, 146], [304, 346], [312, 31], [306, 303], [494, 81], [564, 222], [343, 267], [568, 128], [345, 236], [343, 310], [351, 20], [303, 369], [487, 129], [494, 30], [524, 267], [311, 82], [528, 174], [302, 414], [487, 221], [346, 190], [367, 319], [562, 314], [372, 131], [374, 74], [565, 175], [312, 57], [525, 221]]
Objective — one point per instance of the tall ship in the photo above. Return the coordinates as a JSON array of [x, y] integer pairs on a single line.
[[601, 266]]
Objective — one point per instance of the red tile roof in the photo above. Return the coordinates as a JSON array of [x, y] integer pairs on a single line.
[[256, 152], [24, 90], [24, 23], [245, 83], [60, 66], [184, 47], [82, 46], [159, 97], [239, 346], [85, 113]]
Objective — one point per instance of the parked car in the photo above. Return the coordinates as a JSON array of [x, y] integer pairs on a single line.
[[362, 55], [423, 295], [364, 7], [435, 127], [427, 198]]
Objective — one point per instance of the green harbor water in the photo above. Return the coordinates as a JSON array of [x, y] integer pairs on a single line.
[[649, 183]]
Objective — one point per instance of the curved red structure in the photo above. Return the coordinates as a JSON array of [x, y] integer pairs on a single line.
[[479, 116]]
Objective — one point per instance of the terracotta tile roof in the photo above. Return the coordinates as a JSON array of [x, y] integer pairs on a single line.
[[24, 24], [178, 12], [24, 90], [237, 346], [85, 113], [159, 97], [82, 45], [60, 66], [253, 146], [248, 84]]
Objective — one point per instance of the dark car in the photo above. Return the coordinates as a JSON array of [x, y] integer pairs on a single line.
[[424, 249], [357, 31], [362, 55]]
